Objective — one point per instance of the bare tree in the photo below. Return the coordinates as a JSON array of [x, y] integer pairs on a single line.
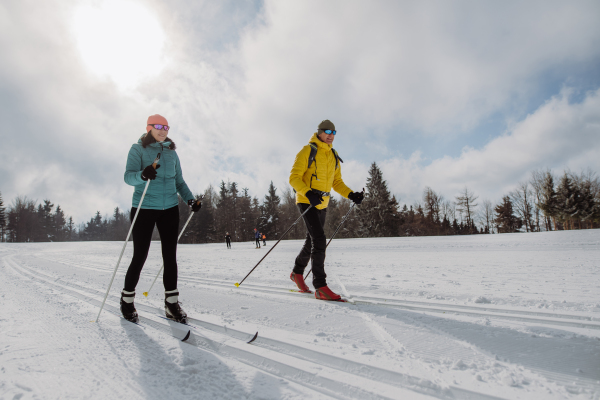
[[465, 205], [486, 215], [448, 210], [432, 203], [522, 198], [538, 177]]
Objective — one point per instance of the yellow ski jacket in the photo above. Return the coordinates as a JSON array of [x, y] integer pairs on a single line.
[[322, 174]]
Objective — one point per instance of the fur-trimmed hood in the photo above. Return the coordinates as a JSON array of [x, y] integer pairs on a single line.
[[147, 139]]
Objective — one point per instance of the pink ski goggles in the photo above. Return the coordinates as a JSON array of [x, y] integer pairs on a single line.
[[159, 126]]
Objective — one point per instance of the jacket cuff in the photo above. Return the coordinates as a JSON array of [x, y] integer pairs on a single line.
[[348, 191], [304, 191]]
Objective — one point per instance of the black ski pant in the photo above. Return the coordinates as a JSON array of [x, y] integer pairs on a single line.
[[257, 242], [228, 243], [167, 223], [314, 245]]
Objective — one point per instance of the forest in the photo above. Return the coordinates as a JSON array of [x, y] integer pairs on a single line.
[[544, 202]]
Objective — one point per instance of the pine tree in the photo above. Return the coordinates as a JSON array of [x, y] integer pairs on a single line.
[[234, 214], [59, 224], [505, 219], [549, 203], [223, 211], [567, 199], [2, 219], [269, 223], [22, 220], [246, 217], [203, 225], [70, 229], [378, 213]]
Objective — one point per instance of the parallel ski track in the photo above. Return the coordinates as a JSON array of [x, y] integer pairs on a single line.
[[345, 378], [516, 315], [539, 318], [542, 318]]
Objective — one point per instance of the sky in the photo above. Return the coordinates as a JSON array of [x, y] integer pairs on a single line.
[[440, 94]]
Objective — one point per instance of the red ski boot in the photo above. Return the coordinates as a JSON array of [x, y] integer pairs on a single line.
[[298, 279], [324, 293]]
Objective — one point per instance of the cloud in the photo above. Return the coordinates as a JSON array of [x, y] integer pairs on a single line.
[[246, 84], [559, 135]]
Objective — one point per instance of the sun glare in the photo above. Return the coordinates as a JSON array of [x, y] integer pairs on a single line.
[[120, 39]]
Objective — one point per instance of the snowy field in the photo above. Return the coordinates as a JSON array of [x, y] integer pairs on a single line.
[[513, 316]]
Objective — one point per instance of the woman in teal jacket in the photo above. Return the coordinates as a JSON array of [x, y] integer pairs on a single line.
[[160, 209]]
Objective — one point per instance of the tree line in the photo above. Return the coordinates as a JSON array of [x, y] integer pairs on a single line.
[[545, 202]]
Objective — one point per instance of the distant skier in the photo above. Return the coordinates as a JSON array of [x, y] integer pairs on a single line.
[[257, 238], [316, 170], [228, 239], [158, 209], [264, 238]]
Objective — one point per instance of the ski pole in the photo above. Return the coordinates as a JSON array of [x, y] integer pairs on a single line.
[[285, 233], [179, 237], [156, 160], [336, 231]]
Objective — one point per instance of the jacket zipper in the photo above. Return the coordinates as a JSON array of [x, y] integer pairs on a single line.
[[164, 180]]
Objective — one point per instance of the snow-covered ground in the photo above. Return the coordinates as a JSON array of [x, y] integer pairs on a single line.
[[473, 317]]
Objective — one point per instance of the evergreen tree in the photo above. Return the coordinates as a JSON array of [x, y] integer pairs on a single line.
[[234, 213], [60, 223], [505, 219], [223, 211], [22, 220], [246, 217], [2, 220], [269, 221], [567, 198], [378, 214], [549, 202], [203, 225], [455, 227], [432, 203], [71, 229]]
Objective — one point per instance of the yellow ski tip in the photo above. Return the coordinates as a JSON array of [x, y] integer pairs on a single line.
[[237, 284], [145, 294]]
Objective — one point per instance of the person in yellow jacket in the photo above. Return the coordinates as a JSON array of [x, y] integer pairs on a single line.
[[313, 180]]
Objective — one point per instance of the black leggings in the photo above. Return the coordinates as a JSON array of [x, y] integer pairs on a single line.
[[167, 222], [314, 245]]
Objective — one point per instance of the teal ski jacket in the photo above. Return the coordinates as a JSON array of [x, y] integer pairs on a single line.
[[162, 191]]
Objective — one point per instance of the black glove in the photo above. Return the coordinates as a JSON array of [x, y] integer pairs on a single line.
[[195, 204], [314, 198], [149, 172], [357, 198]]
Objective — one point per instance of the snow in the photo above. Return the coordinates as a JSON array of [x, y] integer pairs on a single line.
[[513, 316]]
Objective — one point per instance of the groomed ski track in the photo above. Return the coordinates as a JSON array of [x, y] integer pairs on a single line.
[[383, 346], [281, 359]]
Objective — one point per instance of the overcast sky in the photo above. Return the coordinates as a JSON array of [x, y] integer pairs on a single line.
[[443, 94]]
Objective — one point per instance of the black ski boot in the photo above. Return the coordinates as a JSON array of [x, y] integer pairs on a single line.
[[127, 308], [173, 308]]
